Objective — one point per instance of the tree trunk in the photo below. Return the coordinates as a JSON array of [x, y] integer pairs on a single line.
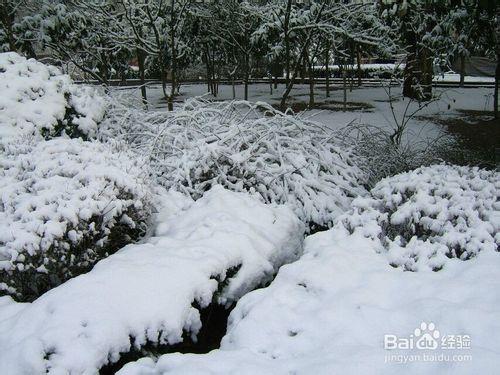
[[233, 86], [214, 75], [289, 87], [297, 65], [351, 78], [462, 70], [427, 70], [247, 74], [140, 62], [311, 85], [104, 69], [163, 76], [209, 73], [495, 94], [288, 90], [344, 83], [497, 70], [418, 72], [410, 75], [246, 86], [173, 64], [327, 69], [287, 40], [418, 76], [303, 68], [358, 57]]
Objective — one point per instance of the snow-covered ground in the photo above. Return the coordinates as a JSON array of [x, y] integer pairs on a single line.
[[455, 77], [451, 101], [406, 280], [329, 313], [341, 308]]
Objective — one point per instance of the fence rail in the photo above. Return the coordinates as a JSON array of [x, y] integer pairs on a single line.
[[367, 82]]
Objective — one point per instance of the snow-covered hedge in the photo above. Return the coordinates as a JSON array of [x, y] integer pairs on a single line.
[[37, 99], [328, 313], [65, 204], [247, 147], [431, 214], [151, 293]]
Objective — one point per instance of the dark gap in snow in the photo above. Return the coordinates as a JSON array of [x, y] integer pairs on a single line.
[[315, 228], [214, 324], [213, 318]]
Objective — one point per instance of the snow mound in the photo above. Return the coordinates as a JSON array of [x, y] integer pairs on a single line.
[[38, 99], [328, 313], [429, 215], [145, 293], [249, 147], [65, 204]]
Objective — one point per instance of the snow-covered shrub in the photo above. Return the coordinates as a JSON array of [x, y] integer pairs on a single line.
[[38, 99], [431, 214], [247, 147], [328, 313], [65, 204], [152, 293], [380, 157]]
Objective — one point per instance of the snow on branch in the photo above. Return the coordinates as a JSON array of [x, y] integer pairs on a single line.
[[245, 146]]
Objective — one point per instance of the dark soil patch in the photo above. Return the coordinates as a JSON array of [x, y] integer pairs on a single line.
[[478, 134], [330, 105]]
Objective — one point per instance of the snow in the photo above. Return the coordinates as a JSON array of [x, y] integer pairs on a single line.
[[37, 98], [367, 66], [430, 215], [145, 291], [326, 312], [421, 128], [55, 194], [455, 77], [329, 311], [245, 147], [90, 106]]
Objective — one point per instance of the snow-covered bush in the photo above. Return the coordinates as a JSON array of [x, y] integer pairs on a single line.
[[247, 147], [380, 157], [426, 216], [65, 204], [38, 99], [329, 311], [152, 293]]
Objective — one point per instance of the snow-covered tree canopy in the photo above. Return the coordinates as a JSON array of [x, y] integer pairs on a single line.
[[438, 29]]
